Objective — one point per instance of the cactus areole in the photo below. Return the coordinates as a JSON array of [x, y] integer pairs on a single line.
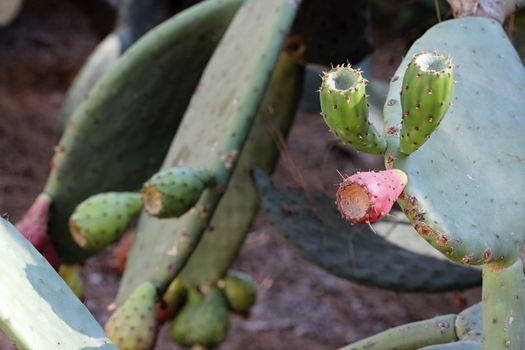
[[368, 196]]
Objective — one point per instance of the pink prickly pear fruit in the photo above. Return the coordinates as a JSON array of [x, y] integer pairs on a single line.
[[33, 227], [367, 197]]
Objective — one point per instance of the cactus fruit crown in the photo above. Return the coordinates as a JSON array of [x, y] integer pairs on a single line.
[[343, 78]]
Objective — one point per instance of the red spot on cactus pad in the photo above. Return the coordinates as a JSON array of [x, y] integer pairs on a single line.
[[367, 197], [33, 227]]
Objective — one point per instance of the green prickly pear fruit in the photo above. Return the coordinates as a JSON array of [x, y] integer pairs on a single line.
[[241, 292], [71, 275], [344, 108], [133, 326], [103, 218], [425, 97], [171, 300], [203, 320], [172, 192]]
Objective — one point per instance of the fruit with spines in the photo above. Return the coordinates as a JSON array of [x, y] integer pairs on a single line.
[[344, 108], [172, 192], [240, 291], [103, 218], [366, 197], [133, 326], [426, 95], [203, 320]]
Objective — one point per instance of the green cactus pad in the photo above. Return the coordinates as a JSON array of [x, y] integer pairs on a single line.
[[37, 309], [240, 291], [103, 218], [344, 108], [503, 298], [462, 345], [425, 98], [233, 217], [465, 192], [410, 336], [133, 326], [211, 136], [171, 193], [119, 136], [202, 321], [320, 235]]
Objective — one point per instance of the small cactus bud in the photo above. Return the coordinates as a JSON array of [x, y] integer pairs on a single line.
[[368, 196], [344, 108], [173, 192], [240, 291], [103, 218], [425, 97]]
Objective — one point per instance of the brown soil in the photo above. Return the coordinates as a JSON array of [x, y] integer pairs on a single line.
[[299, 305]]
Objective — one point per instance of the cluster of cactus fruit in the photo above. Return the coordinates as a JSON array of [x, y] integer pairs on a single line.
[[438, 165]]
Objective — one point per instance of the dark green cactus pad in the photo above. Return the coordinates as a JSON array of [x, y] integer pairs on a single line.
[[103, 218], [119, 136], [135, 17], [133, 326], [204, 320], [321, 236], [466, 190], [211, 136], [344, 108], [233, 217], [425, 98], [172, 192], [240, 291]]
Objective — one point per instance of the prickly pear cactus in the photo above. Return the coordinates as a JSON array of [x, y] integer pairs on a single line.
[[220, 115], [38, 310], [465, 192], [123, 130]]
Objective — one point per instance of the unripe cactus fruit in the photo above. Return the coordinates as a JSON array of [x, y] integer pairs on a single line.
[[103, 218], [172, 192], [203, 320], [133, 326], [425, 97], [344, 108], [33, 227], [368, 196], [241, 292]]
